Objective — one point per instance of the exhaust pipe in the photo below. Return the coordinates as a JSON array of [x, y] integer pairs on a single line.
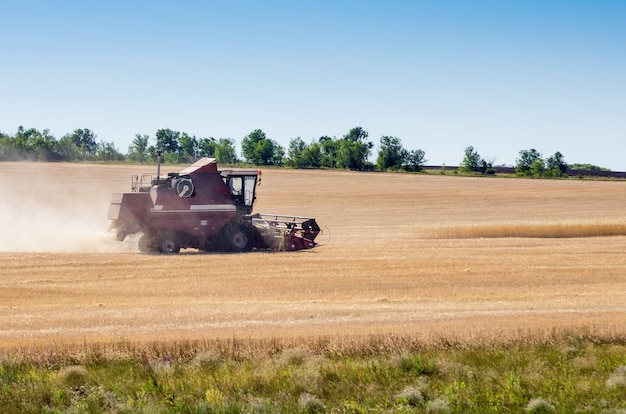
[[158, 154]]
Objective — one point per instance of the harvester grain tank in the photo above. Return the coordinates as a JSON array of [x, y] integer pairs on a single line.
[[204, 208]]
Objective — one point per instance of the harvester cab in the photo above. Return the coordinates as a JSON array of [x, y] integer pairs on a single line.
[[204, 208], [242, 185]]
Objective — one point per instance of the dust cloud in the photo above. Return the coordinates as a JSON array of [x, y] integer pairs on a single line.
[[56, 208]]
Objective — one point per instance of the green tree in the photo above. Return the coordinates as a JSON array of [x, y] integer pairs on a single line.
[[250, 146], [473, 162], [85, 141], [171, 157], [278, 153], [167, 141], [23, 141], [260, 150], [329, 148], [151, 154], [20, 141], [537, 168], [138, 149], [66, 150], [106, 151], [206, 147], [42, 146], [295, 153], [312, 155], [301, 155], [352, 155], [6, 147], [225, 152], [29, 144], [556, 165], [264, 152], [354, 149], [524, 162], [391, 154], [357, 134], [188, 148], [415, 160]]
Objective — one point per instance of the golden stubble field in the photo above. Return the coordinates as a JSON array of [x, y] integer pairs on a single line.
[[425, 256]]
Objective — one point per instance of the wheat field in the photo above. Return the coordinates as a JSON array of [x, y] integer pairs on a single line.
[[426, 256]]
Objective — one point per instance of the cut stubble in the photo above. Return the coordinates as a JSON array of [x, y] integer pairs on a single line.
[[403, 254]]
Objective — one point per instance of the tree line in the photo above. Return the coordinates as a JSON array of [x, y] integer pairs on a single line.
[[530, 163], [80, 145], [352, 151]]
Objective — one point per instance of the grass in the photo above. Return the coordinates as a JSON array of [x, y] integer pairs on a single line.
[[568, 372]]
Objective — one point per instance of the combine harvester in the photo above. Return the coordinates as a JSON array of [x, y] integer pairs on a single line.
[[204, 208]]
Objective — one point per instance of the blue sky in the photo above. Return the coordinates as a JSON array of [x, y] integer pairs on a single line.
[[498, 75]]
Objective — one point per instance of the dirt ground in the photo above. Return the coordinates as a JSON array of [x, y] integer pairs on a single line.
[[401, 254]]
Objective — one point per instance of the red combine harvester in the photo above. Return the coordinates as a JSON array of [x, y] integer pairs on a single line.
[[204, 208]]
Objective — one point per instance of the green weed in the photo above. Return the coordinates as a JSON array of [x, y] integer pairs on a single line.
[[563, 376]]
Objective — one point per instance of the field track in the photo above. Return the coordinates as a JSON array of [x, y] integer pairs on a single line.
[[428, 256]]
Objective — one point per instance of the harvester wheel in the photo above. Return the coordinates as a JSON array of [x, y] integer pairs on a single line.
[[238, 238], [168, 243]]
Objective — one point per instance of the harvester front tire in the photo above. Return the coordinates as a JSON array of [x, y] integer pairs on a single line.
[[168, 244], [238, 238]]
